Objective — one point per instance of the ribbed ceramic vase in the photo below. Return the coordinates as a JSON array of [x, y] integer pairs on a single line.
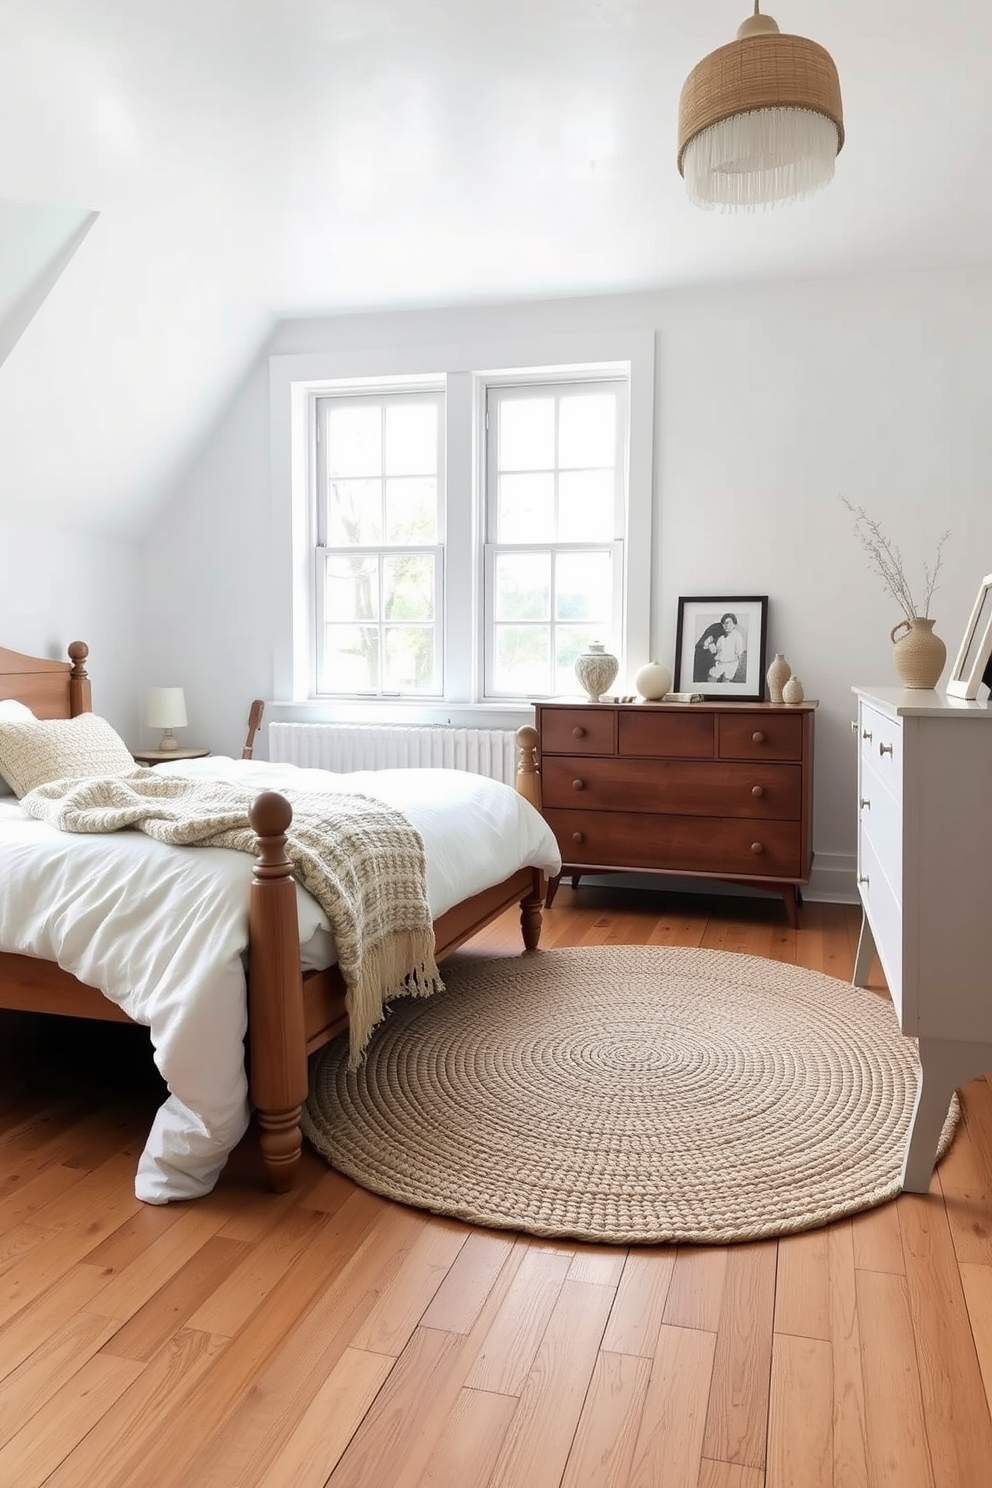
[[919, 655], [776, 676], [596, 669]]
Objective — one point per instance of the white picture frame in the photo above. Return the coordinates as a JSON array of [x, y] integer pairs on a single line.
[[967, 673]]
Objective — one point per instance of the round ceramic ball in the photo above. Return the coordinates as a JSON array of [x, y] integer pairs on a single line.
[[653, 681]]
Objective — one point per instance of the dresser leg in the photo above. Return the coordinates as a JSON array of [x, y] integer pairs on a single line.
[[944, 1065], [552, 890], [866, 954], [792, 899]]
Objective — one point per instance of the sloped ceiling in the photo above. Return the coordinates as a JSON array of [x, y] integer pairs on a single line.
[[254, 159]]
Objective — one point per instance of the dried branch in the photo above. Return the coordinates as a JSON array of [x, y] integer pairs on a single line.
[[885, 560]]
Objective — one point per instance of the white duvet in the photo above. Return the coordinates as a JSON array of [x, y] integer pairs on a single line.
[[163, 930]]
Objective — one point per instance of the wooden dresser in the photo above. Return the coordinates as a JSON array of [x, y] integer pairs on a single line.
[[925, 879], [715, 790]]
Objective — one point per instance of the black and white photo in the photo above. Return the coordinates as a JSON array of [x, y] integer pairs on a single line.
[[720, 646]]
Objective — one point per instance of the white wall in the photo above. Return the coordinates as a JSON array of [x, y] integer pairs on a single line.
[[771, 404], [62, 586]]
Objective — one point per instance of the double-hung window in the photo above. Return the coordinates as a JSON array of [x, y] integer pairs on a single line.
[[379, 517], [555, 517]]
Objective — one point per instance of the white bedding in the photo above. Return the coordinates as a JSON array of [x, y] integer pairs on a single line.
[[163, 930]]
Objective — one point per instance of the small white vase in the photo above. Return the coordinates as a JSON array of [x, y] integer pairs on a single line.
[[596, 669], [776, 676], [653, 681], [793, 692]]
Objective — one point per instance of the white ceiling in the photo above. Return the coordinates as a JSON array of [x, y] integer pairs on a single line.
[[251, 159]]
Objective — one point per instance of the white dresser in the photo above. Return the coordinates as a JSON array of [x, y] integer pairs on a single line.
[[925, 879]]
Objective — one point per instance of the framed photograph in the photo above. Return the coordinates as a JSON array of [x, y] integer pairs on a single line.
[[720, 647], [972, 664]]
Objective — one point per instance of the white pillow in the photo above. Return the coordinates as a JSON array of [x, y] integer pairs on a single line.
[[10, 711], [35, 751]]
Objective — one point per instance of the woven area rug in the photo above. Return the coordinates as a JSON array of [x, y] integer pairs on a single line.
[[627, 1094]]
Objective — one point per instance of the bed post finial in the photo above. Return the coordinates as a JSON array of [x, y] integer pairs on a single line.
[[528, 780], [80, 693]]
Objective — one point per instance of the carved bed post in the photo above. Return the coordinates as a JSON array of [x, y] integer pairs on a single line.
[[528, 783], [275, 994], [80, 693]]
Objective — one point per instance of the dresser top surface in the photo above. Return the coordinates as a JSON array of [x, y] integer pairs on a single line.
[[708, 705], [919, 702]]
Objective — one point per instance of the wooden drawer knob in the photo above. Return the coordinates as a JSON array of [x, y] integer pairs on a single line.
[[757, 737], [757, 847], [757, 790], [578, 837], [578, 785], [578, 732]]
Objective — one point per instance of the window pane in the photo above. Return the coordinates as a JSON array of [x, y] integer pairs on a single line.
[[584, 588], [526, 434], [409, 659], [351, 658], [411, 510], [351, 588], [586, 506], [526, 508], [411, 438], [523, 586], [408, 586], [354, 441], [587, 428], [521, 659], [354, 513]]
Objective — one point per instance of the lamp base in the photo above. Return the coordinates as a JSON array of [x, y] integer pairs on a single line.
[[168, 740]]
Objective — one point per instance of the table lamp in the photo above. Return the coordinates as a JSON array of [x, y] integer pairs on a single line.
[[167, 710]]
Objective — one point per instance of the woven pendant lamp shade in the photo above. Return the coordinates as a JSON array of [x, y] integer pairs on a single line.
[[760, 120]]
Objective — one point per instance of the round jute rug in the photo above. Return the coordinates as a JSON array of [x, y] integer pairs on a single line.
[[627, 1094]]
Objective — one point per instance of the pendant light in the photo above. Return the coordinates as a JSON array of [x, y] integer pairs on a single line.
[[760, 120]]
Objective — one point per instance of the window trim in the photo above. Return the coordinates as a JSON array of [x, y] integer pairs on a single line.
[[397, 357]]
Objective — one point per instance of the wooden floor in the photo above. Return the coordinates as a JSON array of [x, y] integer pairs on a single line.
[[331, 1337]]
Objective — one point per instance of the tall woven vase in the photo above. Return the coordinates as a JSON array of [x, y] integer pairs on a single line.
[[919, 655]]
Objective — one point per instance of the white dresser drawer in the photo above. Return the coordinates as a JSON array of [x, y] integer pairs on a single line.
[[885, 917], [880, 744], [880, 816]]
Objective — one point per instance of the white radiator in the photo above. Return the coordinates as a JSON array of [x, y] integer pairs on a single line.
[[359, 746]]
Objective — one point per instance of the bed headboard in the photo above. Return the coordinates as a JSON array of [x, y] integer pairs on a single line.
[[51, 689]]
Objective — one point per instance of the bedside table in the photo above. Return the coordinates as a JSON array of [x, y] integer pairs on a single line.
[[160, 756]]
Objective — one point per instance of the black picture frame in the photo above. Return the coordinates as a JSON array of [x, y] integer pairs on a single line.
[[703, 658]]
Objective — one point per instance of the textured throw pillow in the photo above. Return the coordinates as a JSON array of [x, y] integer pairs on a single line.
[[11, 711], [35, 751]]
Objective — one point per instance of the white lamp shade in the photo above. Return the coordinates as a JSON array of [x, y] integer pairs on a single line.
[[166, 708]]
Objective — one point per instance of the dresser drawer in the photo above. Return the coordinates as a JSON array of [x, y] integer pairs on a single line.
[[718, 846], [884, 913], [577, 730], [760, 736], [880, 745], [660, 734], [679, 787], [880, 818]]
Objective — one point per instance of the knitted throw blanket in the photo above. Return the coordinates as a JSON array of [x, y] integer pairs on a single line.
[[361, 860]]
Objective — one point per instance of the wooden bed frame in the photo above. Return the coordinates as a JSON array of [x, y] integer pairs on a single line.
[[290, 1013]]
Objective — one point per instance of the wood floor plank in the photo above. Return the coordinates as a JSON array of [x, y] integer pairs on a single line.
[[898, 1456], [328, 1424], [730, 1475], [878, 1240], [802, 1285], [462, 1294], [637, 1313], [466, 1453], [950, 1374], [849, 1433], [229, 1306], [977, 1283], [389, 1326], [695, 1296], [31, 1456], [800, 1419], [737, 1415], [505, 1359], [41, 1318], [669, 1448], [172, 1304], [48, 1368], [603, 1448], [963, 1176]]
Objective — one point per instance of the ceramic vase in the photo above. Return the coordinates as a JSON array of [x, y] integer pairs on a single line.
[[653, 682], [919, 655], [793, 691], [777, 675], [596, 669]]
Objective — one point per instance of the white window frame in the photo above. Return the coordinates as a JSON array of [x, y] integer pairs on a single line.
[[403, 356]]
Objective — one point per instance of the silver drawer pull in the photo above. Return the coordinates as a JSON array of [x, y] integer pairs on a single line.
[[884, 749], [578, 837], [578, 732], [578, 785], [854, 725], [757, 737], [863, 878], [866, 734], [865, 804], [757, 790], [757, 847]]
